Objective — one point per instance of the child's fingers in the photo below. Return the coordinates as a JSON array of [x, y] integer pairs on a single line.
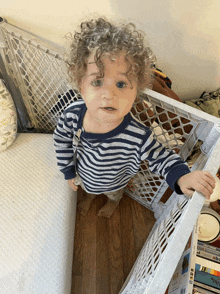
[[205, 188], [207, 183], [200, 181], [206, 192], [72, 184], [209, 178], [75, 188], [189, 193], [199, 188]]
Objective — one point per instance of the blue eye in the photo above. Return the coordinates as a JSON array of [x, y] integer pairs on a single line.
[[97, 83], [121, 84]]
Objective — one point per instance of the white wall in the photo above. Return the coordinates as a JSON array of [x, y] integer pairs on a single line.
[[184, 34]]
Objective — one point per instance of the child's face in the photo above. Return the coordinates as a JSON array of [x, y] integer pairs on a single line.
[[110, 98]]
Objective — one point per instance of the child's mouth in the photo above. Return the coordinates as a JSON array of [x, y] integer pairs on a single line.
[[109, 108]]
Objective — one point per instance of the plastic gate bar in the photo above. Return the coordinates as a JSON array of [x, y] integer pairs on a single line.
[[37, 68]]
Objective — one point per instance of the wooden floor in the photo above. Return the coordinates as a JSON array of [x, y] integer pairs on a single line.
[[106, 249]]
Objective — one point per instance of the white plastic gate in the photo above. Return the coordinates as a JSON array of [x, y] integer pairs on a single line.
[[38, 70]]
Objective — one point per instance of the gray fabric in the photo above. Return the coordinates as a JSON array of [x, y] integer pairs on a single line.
[[208, 102], [22, 114]]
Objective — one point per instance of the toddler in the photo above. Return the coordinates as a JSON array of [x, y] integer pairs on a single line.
[[99, 143]]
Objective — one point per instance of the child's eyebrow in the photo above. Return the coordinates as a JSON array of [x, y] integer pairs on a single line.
[[94, 74], [97, 73]]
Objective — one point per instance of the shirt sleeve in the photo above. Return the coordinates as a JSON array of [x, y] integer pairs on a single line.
[[164, 162], [63, 138]]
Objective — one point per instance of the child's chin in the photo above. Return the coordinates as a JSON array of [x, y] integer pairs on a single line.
[[113, 119]]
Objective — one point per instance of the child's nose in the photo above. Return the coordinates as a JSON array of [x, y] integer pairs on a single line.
[[109, 94]]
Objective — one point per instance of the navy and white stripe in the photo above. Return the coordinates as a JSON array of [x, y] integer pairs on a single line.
[[106, 162]]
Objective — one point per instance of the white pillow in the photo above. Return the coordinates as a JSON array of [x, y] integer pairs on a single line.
[[8, 118]]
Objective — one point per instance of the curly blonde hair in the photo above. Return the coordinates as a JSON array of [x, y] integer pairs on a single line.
[[100, 36]]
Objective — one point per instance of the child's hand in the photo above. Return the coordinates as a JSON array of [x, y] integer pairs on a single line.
[[72, 184], [200, 181]]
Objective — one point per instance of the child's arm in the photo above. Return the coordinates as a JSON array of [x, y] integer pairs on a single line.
[[200, 181], [63, 141], [175, 171]]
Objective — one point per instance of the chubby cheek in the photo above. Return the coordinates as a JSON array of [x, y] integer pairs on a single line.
[[126, 104], [91, 100], [88, 95]]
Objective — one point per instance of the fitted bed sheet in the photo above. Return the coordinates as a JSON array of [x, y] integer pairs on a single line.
[[37, 219]]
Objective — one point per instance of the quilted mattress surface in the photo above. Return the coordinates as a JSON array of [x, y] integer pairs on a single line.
[[37, 219]]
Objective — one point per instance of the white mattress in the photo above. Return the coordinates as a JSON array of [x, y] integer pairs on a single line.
[[37, 219]]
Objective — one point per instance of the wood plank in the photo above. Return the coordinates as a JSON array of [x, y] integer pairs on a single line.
[[82, 248], [141, 226], [89, 251], [115, 252], [127, 233], [149, 218], [102, 255], [106, 249], [77, 254]]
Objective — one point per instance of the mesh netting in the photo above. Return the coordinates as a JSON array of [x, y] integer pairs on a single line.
[[42, 78], [152, 252], [41, 75]]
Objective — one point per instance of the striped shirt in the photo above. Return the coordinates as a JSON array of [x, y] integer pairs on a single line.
[[106, 162]]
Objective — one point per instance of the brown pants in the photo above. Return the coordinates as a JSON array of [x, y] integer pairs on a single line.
[[114, 196]]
